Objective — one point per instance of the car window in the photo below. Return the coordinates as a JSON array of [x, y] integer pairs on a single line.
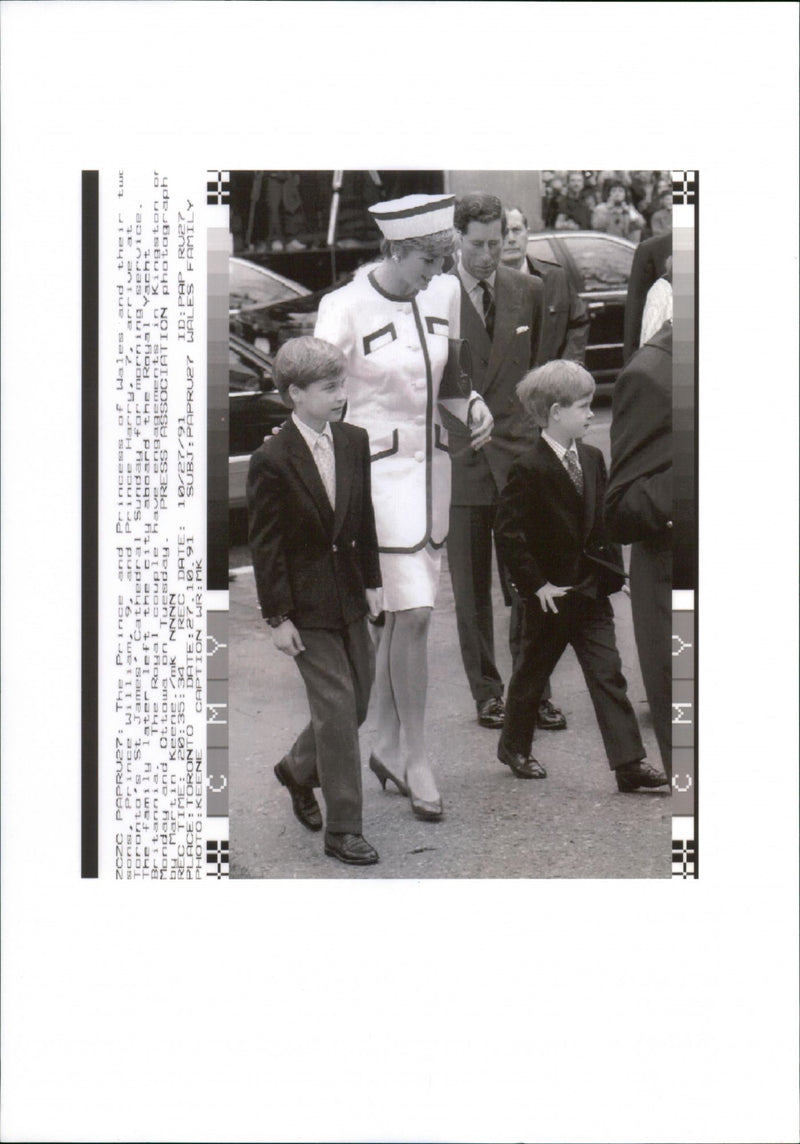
[[602, 264], [250, 287], [539, 247], [243, 375]]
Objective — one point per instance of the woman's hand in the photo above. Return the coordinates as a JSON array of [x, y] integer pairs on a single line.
[[481, 424]]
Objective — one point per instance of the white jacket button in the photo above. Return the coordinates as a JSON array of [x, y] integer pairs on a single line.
[[419, 455]]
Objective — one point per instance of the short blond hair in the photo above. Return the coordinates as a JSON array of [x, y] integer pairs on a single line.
[[560, 381]]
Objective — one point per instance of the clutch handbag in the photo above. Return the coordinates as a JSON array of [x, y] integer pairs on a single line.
[[457, 376]]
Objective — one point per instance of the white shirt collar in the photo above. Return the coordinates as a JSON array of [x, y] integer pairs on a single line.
[[309, 435], [471, 283], [558, 449]]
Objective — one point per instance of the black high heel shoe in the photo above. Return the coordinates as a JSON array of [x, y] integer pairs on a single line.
[[383, 774], [425, 809]]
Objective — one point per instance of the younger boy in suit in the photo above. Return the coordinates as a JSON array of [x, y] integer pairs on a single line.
[[551, 536], [315, 558]]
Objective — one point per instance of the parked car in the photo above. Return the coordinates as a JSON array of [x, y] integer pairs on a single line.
[[266, 308], [255, 408], [599, 266]]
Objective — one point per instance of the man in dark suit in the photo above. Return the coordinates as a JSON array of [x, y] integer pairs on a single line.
[[649, 263], [551, 535], [315, 558], [565, 319], [639, 513], [501, 318]]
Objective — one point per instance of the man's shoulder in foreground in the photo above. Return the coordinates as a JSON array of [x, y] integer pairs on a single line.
[[516, 280], [544, 265]]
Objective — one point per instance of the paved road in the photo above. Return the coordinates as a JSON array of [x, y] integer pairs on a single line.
[[574, 824]]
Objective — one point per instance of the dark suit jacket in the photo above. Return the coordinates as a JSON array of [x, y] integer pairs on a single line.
[[639, 497], [497, 367], [310, 562], [546, 532], [649, 263], [565, 322]]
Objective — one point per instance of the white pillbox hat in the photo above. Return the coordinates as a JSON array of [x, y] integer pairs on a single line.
[[414, 216]]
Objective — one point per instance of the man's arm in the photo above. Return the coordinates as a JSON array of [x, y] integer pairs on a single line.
[[644, 271], [265, 496], [638, 502], [536, 287], [512, 531]]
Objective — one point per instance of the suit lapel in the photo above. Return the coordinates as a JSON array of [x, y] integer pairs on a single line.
[[303, 464], [345, 465], [473, 329], [506, 306]]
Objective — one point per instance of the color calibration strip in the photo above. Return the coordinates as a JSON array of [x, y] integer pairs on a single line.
[[685, 537], [217, 673]]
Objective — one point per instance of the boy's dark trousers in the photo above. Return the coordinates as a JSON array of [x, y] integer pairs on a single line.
[[588, 625], [549, 532], [314, 562], [337, 668]]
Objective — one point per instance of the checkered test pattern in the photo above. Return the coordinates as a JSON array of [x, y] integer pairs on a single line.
[[684, 188], [218, 188]]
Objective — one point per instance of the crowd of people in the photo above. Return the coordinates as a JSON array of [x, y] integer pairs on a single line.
[[634, 204], [276, 211], [434, 408]]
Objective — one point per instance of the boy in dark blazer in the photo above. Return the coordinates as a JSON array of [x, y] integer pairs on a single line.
[[550, 533], [501, 318], [315, 557]]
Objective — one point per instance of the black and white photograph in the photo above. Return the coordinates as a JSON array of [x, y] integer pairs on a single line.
[[396, 746], [452, 591]]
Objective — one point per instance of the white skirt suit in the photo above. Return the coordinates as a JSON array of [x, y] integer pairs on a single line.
[[396, 350]]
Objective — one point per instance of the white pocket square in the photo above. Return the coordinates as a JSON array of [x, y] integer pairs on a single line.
[[522, 329]]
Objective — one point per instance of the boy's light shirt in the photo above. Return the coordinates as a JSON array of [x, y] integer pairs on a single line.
[[560, 451], [310, 436]]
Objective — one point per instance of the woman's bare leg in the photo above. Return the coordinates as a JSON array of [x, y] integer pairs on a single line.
[[408, 672], [387, 737]]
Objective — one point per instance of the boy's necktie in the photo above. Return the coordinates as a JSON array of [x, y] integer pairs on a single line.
[[488, 308], [574, 470], [323, 455]]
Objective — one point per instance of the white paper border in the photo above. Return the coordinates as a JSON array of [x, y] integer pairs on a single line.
[[503, 1011]]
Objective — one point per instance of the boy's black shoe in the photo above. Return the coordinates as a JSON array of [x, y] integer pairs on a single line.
[[634, 776], [491, 712], [304, 802], [550, 718], [523, 766], [350, 848]]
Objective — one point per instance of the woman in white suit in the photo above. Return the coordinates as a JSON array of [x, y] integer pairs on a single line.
[[395, 324]]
